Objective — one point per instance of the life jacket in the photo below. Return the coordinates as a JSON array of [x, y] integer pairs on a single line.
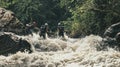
[[61, 28], [43, 29]]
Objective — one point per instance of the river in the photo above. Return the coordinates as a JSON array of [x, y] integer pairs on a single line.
[[68, 52]]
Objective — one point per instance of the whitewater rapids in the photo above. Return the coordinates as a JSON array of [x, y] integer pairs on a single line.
[[58, 52]]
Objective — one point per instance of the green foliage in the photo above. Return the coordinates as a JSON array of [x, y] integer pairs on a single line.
[[6, 3], [27, 10], [93, 16], [81, 17]]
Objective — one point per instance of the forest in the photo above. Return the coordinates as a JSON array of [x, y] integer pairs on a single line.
[[80, 17]]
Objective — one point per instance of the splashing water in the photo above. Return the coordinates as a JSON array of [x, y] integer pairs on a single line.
[[68, 52]]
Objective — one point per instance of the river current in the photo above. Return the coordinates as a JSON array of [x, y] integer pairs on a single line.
[[63, 52]]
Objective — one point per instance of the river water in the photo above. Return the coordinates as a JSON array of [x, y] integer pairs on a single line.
[[59, 52]]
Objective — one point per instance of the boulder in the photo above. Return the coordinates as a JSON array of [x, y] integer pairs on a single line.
[[112, 36], [9, 22], [12, 44], [112, 30]]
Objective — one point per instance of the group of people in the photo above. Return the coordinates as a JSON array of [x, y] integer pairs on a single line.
[[44, 30]]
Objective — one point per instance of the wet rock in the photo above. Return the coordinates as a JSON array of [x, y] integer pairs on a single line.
[[9, 22], [12, 44], [112, 36], [112, 30]]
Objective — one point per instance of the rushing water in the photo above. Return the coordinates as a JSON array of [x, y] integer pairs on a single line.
[[67, 52]]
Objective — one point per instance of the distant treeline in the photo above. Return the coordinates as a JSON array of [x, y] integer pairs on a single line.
[[80, 17]]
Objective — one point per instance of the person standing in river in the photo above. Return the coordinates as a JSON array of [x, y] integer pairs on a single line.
[[30, 27], [44, 30], [60, 30]]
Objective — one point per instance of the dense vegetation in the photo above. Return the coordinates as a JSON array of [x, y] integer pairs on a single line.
[[80, 17]]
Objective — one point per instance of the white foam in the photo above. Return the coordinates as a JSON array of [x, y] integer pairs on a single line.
[[56, 52]]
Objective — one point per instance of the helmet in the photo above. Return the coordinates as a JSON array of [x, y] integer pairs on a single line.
[[34, 22], [59, 23], [46, 24]]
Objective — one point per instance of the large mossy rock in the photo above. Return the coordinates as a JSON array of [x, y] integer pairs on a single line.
[[9, 22], [12, 44]]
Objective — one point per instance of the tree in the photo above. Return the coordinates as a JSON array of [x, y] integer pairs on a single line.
[[92, 16]]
